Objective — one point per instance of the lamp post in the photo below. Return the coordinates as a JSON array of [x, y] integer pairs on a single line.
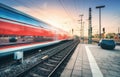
[[99, 7]]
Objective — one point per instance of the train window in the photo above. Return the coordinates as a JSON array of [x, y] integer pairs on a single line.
[[0, 35], [12, 39]]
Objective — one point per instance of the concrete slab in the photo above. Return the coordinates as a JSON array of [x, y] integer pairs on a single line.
[[107, 60], [102, 63], [75, 64]]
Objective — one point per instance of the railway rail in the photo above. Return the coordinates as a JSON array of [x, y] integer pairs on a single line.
[[45, 59], [48, 66], [8, 60]]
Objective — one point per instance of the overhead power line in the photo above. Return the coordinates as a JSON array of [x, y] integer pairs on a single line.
[[69, 15], [29, 7]]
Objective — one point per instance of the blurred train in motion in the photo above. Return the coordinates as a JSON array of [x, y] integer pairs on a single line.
[[18, 27]]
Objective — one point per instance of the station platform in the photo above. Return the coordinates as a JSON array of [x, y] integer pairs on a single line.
[[93, 61]]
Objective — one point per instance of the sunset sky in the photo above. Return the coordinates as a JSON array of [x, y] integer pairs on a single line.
[[65, 13]]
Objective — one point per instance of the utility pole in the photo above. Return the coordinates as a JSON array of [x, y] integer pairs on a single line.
[[72, 31], [118, 30], [99, 7], [83, 31], [90, 28], [81, 26]]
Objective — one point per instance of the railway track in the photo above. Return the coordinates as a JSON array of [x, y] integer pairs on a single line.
[[9, 61], [50, 62], [36, 59]]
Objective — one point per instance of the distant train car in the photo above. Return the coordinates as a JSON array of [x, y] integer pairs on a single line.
[[18, 27]]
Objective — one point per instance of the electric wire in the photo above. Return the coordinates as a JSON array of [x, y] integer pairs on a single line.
[[28, 6], [61, 3]]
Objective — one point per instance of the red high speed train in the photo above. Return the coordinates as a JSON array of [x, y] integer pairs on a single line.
[[18, 27]]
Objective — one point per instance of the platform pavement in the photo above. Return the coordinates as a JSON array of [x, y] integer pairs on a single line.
[[92, 61]]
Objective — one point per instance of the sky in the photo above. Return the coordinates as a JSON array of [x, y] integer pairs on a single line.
[[65, 14]]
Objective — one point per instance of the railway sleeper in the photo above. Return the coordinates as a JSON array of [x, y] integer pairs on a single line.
[[56, 59], [58, 56], [47, 66], [43, 69], [34, 75], [43, 73], [51, 65], [40, 72], [53, 61]]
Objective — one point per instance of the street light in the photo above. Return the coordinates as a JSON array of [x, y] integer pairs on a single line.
[[99, 7]]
